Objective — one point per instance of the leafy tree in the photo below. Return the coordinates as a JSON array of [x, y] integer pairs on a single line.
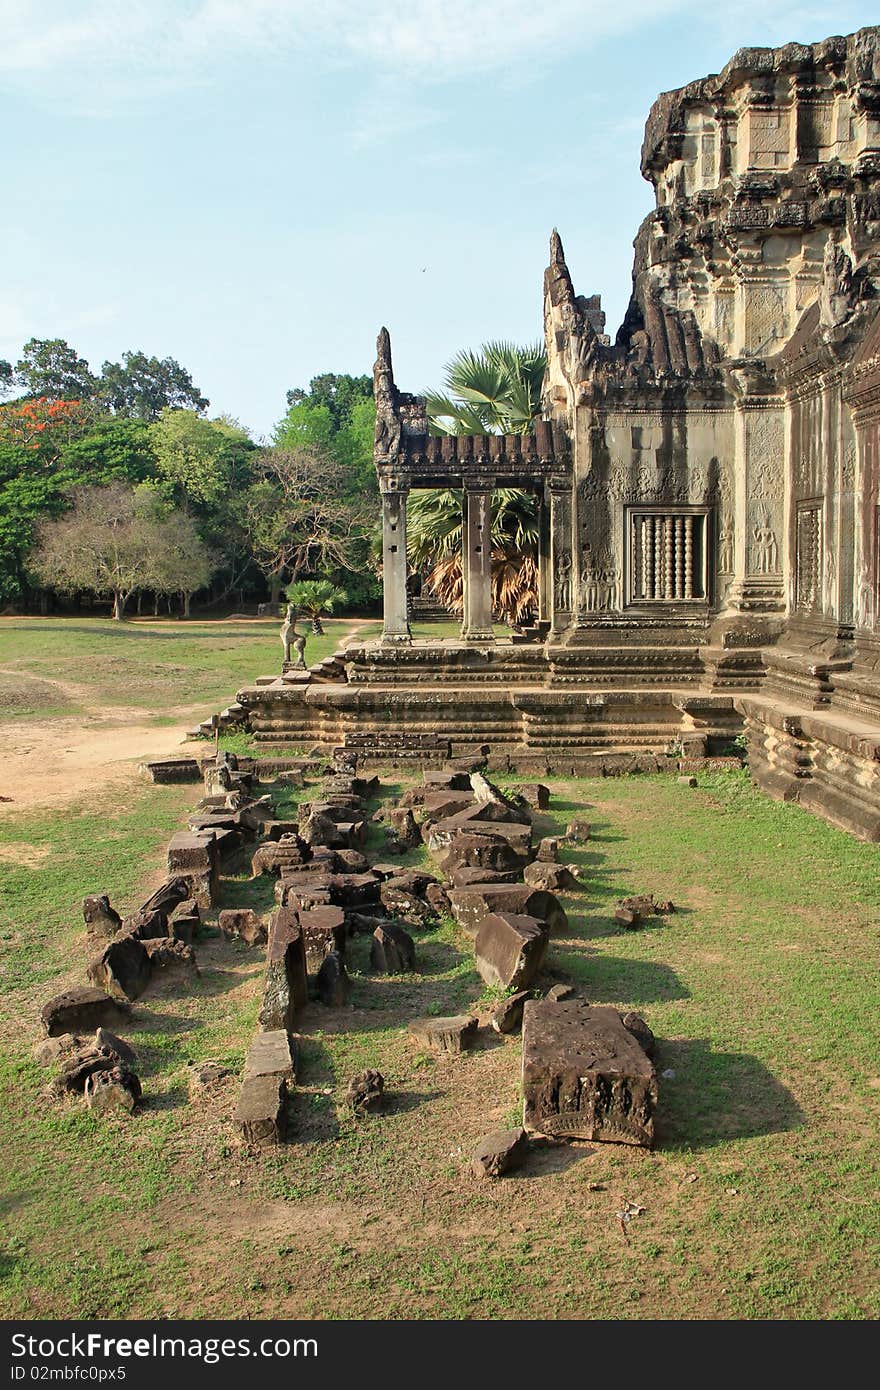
[[142, 387], [336, 416], [300, 519], [51, 367], [7, 378], [496, 390], [44, 426], [112, 449], [434, 539], [314, 598], [339, 393], [113, 541], [197, 457]]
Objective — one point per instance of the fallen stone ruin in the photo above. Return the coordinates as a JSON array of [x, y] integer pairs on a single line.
[[587, 1072]]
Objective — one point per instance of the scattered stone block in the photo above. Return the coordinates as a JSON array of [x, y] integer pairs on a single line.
[[49, 1050], [585, 1076], [275, 856], [475, 851], [534, 794], [281, 829], [468, 877], [507, 1017], [123, 968], [471, 905], [171, 770], [284, 985], [185, 922], [167, 955], [261, 1112], [579, 832], [115, 1089], [510, 949], [438, 899], [333, 982], [632, 912], [398, 900], [117, 1046], [442, 833], [324, 929], [445, 1034], [82, 1010], [365, 1092], [445, 779], [687, 781], [243, 924], [500, 1152], [404, 826], [548, 850], [206, 1075], [270, 1054], [636, 1025], [557, 993], [392, 950], [553, 878], [99, 916], [351, 861], [501, 807]]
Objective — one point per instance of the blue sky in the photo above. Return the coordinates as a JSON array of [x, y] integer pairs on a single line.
[[255, 186]]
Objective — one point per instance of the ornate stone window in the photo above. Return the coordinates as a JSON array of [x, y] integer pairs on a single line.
[[667, 554], [808, 577]]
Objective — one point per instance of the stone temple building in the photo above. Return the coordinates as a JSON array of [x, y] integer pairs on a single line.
[[708, 482]]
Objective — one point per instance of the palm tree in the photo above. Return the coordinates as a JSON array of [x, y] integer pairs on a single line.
[[313, 597], [496, 390], [433, 542]]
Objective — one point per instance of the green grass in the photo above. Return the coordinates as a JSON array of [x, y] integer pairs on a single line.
[[761, 1200], [52, 666]]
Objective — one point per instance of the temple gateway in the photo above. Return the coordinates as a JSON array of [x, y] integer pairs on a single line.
[[708, 483]]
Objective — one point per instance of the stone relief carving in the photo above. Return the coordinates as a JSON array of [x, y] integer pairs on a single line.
[[562, 584], [600, 582], [764, 549], [725, 547], [836, 298]]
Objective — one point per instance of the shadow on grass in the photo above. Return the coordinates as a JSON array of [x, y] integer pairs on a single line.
[[616, 980], [715, 1097]]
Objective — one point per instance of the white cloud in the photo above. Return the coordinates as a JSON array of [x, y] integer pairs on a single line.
[[99, 53]]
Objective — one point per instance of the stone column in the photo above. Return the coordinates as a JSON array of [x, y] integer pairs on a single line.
[[394, 489], [561, 557], [545, 576], [759, 537], [476, 559]]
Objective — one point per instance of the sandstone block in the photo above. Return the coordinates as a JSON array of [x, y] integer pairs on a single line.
[[585, 1076], [261, 1112], [553, 878], [123, 968], [99, 916], [507, 1017], [365, 1092], [269, 1054], [115, 1089], [471, 905], [579, 831], [284, 985], [548, 850], [534, 794], [392, 950], [324, 929], [500, 1152], [482, 852], [243, 924], [82, 1010], [333, 983], [510, 949], [445, 1034]]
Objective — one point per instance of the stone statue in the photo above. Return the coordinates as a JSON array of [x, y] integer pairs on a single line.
[[288, 631], [836, 299], [388, 428]]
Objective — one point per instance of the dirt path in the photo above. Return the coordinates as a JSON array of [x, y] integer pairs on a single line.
[[56, 761]]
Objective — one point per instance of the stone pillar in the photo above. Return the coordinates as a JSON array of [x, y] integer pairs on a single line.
[[476, 559], [759, 533], [545, 576], [562, 562], [394, 489]]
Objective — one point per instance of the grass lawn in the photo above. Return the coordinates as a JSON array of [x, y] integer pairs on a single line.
[[762, 1199], [65, 666]]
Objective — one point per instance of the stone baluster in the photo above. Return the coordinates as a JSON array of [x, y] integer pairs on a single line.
[[688, 557]]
